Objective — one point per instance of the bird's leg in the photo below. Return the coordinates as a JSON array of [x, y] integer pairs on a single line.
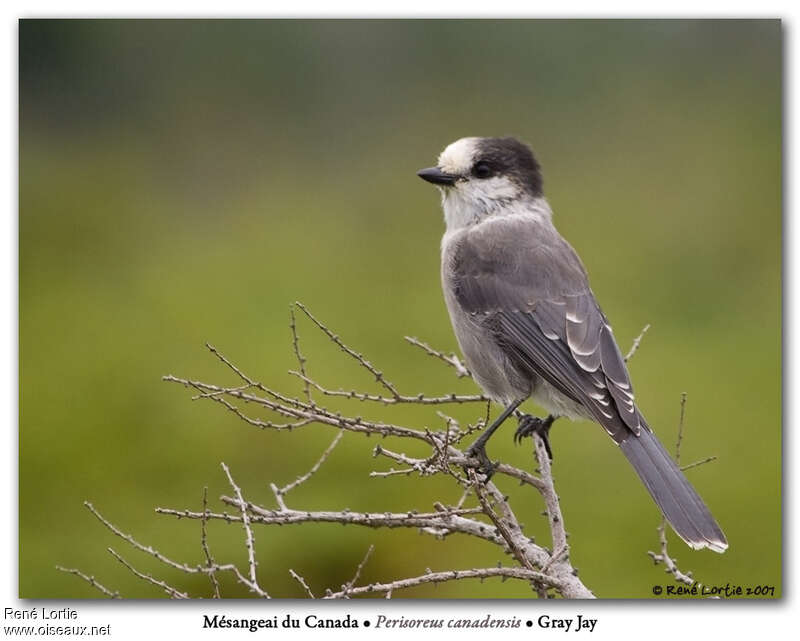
[[529, 425], [478, 448]]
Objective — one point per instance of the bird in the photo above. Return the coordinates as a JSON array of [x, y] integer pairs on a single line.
[[530, 327]]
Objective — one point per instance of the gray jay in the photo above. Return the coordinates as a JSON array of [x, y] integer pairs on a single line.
[[528, 323]]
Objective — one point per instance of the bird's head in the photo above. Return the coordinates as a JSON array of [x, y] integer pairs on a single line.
[[480, 177]]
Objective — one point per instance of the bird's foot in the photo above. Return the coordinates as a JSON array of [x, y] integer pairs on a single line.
[[529, 425], [486, 467]]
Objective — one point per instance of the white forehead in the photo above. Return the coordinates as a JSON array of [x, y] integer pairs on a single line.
[[458, 156]]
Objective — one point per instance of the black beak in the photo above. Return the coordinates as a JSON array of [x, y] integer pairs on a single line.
[[436, 176]]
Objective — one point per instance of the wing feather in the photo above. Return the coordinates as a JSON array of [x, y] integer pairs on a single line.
[[530, 287]]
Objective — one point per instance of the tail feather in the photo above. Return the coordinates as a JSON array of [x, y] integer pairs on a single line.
[[677, 499]]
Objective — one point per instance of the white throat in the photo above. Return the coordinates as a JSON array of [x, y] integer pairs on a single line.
[[464, 210]]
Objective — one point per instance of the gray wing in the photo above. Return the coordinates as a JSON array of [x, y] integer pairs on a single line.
[[531, 290], [529, 287]]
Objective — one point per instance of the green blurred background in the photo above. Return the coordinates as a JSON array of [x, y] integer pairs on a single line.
[[185, 181]]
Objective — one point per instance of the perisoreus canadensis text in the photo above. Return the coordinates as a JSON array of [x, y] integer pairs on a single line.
[[529, 326]]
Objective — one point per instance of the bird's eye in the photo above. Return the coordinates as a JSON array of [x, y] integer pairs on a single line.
[[482, 170]]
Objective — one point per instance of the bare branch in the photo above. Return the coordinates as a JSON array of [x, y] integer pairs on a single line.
[[353, 354], [348, 587], [394, 395], [419, 399], [505, 522], [172, 592], [680, 429], [493, 520], [708, 459], [425, 467], [301, 360], [302, 582], [250, 382], [551, 502], [441, 577], [133, 542], [670, 564], [250, 541], [451, 360], [241, 388], [636, 342], [449, 520], [302, 479], [294, 408], [183, 567], [218, 396], [212, 575], [91, 581]]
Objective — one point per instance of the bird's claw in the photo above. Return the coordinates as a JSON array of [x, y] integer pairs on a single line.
[[486, 467], [529, 425]]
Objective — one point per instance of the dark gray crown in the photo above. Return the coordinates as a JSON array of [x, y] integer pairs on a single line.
[[512, 158]]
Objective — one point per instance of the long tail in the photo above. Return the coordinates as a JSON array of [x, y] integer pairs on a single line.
[[678, 500]]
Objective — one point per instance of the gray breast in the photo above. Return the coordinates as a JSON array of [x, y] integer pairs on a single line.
[[491, 369]]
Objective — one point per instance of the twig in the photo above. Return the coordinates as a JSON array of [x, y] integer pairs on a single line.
[[392, 472], [449, 575], [295, 408], [250, 382], [680, 429], [241, 388], [708, 459], [394, 395], [636, 342], [217, 395], [212, 575], [451, 520], [133, 542], [451, 360], [670, 564], [91, 581], [358, 357], [250, 541], [504, 525], [183, 567], [424, 467], [302, 582], [551, 502], [301, 360], [172, 592], [396, 399], [348, 587], [282, 491]]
